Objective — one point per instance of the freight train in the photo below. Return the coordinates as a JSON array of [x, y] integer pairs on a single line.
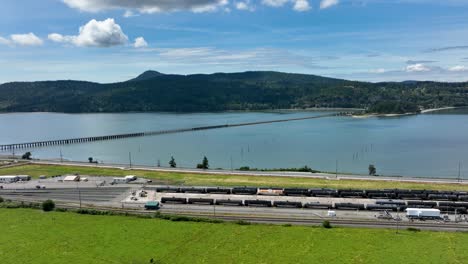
[[417, 195], [380, 205]]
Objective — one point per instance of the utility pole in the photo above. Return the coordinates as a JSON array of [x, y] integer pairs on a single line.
[[459, 171], [336, 169], [398, 219], [130, 158], [61, 156], [231, 164], [79, 192]]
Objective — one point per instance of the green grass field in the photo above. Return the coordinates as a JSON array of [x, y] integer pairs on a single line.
[[225, 180], [33, 236]]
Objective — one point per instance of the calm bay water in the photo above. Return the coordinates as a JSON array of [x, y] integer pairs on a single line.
[[423, 145]]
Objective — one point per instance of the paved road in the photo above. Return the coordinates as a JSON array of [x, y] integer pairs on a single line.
[[256, 173]]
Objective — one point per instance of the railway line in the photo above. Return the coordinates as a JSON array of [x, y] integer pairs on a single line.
[[67, 194], [268, 219]]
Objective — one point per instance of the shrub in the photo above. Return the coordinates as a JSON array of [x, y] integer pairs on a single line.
[[1, 199], [326, 224], [48, 205], [412, 229], [242, 222]]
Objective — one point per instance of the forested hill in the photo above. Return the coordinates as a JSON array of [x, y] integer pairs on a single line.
[[154, 91]]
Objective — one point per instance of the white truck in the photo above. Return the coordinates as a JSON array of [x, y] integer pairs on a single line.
[[120, 180], [131, 178], [423, 213]]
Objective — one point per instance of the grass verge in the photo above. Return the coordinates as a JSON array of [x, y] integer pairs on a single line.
[[178, 178], [33, 236]]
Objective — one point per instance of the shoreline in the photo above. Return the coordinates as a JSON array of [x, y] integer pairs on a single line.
[[311, 109], [438, 109], [405, 114]]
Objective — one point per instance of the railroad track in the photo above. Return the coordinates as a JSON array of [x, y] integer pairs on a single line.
[[436, 226]]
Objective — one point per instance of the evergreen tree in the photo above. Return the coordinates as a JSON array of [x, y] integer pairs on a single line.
[[205, 164], [372, 170], [172, 162]]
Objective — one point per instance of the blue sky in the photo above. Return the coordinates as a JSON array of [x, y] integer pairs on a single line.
[[371, 40]]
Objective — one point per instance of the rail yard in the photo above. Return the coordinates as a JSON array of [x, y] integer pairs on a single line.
[[305, 206]]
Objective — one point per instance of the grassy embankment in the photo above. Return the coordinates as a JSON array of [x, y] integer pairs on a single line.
[[32, 236], [225, 180]]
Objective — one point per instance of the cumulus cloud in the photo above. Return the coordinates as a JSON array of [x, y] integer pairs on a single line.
[[301, 5], [95, 33], [328, 3], [419, 67], [22, 40], [244, 5], [458, 68], [140, 42], [147, 6]]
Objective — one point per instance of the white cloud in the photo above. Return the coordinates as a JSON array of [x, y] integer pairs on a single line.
[[147, 6], [417, 68], [25, 39], [301, 5], [328, 3], [458, 68], [140, 42], [22, 40], [129, 13], [95, 33], [298, 5], [57, 38], [244, 5]]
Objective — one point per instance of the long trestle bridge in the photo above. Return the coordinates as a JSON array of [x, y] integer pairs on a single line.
[[68, 141]]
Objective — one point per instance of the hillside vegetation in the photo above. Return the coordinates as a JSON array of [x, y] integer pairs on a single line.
[[154, 91]]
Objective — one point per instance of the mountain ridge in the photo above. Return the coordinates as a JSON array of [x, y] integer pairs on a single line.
[[249, 90]]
